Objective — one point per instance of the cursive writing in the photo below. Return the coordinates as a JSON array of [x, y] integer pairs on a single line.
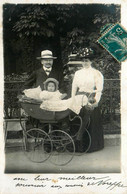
[[69, 182], [111, 185], [74, 185], [29, 185], [81, 178], [19, 179], [39, 178], [56, 186]]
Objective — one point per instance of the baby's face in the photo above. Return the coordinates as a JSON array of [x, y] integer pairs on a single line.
[[51, 87]]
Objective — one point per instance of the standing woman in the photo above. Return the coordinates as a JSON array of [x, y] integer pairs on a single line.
[[89, 81]]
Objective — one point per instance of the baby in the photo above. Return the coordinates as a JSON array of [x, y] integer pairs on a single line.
[[52, 100], [51, 91]]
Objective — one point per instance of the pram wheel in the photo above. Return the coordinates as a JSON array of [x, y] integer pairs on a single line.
[[63, 147], [37, 143]]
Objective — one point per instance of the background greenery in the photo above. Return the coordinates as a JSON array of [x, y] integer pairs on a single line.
[[30, 28]]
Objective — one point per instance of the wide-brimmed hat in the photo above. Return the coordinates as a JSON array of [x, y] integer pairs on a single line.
[[51, 80], [46, 54]]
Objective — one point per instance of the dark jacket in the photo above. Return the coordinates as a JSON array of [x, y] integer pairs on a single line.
[[38, 77]]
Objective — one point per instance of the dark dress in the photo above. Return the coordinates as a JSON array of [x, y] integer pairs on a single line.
[[95, 130]]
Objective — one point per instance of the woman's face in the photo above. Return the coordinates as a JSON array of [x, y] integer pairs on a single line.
[[51, 87], [86, 63]]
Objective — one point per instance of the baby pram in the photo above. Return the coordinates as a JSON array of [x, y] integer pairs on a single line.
[[60, 144]]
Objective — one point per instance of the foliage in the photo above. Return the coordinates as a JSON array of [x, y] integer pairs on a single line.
[[34, 22], [29, 28], [42, 20], [16, 77], [102, 19]]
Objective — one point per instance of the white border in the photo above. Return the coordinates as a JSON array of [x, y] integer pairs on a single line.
[[6, 183]]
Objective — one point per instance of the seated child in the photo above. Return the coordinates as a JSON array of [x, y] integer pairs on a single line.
[[51, 91], [50, 97], [53, 100]]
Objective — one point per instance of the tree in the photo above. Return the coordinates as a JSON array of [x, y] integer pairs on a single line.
[[30, 28]]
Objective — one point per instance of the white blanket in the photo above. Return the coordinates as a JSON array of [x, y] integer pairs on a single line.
[[51, 100], [61, 105], [33, 93]]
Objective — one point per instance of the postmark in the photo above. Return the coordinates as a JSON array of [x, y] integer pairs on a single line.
[[114, 40]]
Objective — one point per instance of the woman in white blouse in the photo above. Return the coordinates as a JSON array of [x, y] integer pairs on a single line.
[[89, 81]]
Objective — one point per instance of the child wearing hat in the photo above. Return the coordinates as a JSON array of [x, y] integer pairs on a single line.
[[51, 91], [52, 100]]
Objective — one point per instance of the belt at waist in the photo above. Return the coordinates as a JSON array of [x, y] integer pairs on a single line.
[[86, 93]]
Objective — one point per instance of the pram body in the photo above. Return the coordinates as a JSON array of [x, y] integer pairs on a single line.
[[38, 139]]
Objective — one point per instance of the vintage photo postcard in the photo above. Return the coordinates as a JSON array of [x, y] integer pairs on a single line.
[[63, 114]]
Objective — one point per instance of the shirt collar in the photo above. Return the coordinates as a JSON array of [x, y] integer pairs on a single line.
[[87, 69]]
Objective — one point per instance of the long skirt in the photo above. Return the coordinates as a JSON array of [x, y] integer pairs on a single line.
[[95, 139]]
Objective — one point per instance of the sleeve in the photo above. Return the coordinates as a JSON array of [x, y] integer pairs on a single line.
[[74, 85], [30, 81], [99, 82]]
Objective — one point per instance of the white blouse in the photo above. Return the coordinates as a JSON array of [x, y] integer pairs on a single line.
[[88, 80]]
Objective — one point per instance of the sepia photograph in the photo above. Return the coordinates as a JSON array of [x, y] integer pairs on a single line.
[[61, 89], [63, 105]]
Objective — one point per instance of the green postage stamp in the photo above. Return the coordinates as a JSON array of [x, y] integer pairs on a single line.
[[114, 41]]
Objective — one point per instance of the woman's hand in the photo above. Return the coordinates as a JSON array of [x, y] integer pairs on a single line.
[[89, 106], [95, 104]]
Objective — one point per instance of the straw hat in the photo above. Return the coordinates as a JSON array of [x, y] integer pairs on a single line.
[[46, 54]]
